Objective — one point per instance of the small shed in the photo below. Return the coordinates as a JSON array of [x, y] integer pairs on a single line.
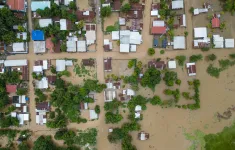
[[215, 22], [200, 32], [44, 22], [39, 46], [115, 35], [11, 88], [191, 68], [177, 4], [60, 65], [172, 64], [93, 115], [108, 64], [229, 43], [81, 46], [124, 48], [179, 42]]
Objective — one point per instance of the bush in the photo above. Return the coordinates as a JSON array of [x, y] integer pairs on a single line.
[[213, 71], [125, 8], [178, 82], [112, 118], [156, 100], [185, 33], [52, 115], [151, 51], [53, 70], [186, 95], [131, 63], [110, 28], [105, 11], [22, 91], [211, 57], [168, 92], [162, 52], [204, 49], [97, 109], [232, 56], [195, 58], [170, 77], [181, 59], [191, 10]]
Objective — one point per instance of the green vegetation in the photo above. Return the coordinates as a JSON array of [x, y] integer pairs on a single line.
[[134, 1], [97, 109], [213, 71], [115, 27], [111, 117], [58, 121], [8, 20], [125, 8], [185, 33], [174, 93], [197, 139], [68, 97], [23, 146], [178, 81], [41, 97], [228, 5], [170, 78], [131, 63], [72, 5], [186, 95], [10, 134], [151, 78], [162, 52], [66, 135], [81, 71], [156, 100], [205, 49], [191, 10], [112, 111], [37, 76], [105, 11], [22, 91], [53, 69], [232, 56], [87, 136], [195, 58], [181, 59], [63, 73], [211, 57], [7, 121], [151, 51]]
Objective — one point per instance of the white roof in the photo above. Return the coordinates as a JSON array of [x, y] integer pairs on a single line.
[[109, 85], [44, 22], [135, 38], [18, 47], [37, 69], [229, 43], [122, 21], [137, 114], [115, 35], [15, 63], [68, 63], [90, 35], [40, 5], [71, 46], [93, 115], [81, 46], [125, 32], [158, 23], [86, 13], [106, 41], [60, 65], [184, 21], [218, 41], [85, 105], [204, 40], [26, 117], [18, 105], [179, 42], [44, 120], [22, 99], [142, 137], [24, 109], [130, 92], [133, 48], [44, 64], [24, 35], [106, 5], [63, 24], [138, 108], [200, 32], [37, 119], [154, 12], [172, 64], [13, 114], [177, 4], [21, 118], [124, 48], [39, 46], [42, 84], [66, 2]]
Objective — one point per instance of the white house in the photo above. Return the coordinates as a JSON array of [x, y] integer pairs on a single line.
[[218, 41], [60, 65], [200, 32], [229, 43], [172, 64], [179, 42]]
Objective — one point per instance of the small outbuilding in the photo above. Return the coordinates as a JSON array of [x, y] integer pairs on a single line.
[[37, 35], [229, 43], [200, 32], [191, 68], [39, 46], [172, 64], [93, 115], [179, 42], [60, 65]]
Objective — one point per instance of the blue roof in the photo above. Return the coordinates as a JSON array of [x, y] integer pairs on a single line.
[[37, 35], [155, 42], [164, 43], [40, 5]]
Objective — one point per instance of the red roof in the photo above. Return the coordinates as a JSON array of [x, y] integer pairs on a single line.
[[116, 4], [15, 4], [158, 30], [49, 44], [108, 64], [87, 16], [191, 69], [215, 23], [11, 88]]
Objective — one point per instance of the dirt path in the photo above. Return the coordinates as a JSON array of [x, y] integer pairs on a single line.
[[164, 125]]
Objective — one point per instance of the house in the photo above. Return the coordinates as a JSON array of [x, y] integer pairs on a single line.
[[158, 23], [19, 99], [179, 42], [158, 30], [66, 2], [116, 5], [197, 11], [122, 21], [87, 16], [200, 32], [60, 65], [90, 36], [19, 47], [229, 43], [124, 48], [191, 68], [42, 84], [88, 62], [157, 64], [109, 95], [57, 47], [182, 20], [39, 46], [41, 110], [37, 35], [134, 14], [40, 5], [81, 46], [135, 38], [108, 64], [177, 4], [37, 69], [93, 115], [133, 48], [51, 79], [49, 45], [115, 35], [44, 22], [199, 43], [25, 109], [44, 63], [218, 41], [22, 118], [90, 27], [108, 46], [215, 22], [63, 24], [16, 5], [11, 88], [172, 64], [71, 46]]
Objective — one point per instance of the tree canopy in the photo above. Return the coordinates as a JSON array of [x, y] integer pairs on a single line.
[[170, 78], [125, 8], [105, 11], [151, 78]]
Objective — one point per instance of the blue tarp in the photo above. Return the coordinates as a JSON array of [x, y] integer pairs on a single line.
[[37, 35], [155, 42], [164, 43], [26, 98]]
